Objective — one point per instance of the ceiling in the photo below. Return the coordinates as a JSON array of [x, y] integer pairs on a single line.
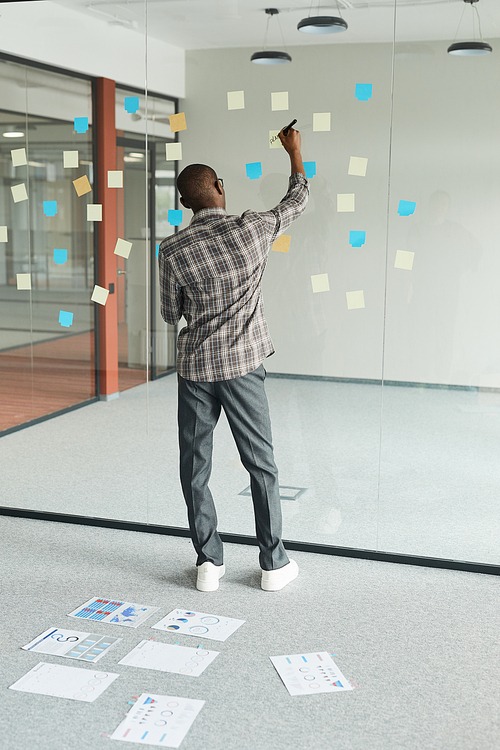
[[205, 24]]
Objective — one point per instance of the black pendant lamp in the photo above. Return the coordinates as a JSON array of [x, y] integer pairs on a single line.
[[271, 57], [470, 49], [322, 24]]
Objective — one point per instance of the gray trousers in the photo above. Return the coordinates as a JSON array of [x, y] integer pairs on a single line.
[[245, 404]]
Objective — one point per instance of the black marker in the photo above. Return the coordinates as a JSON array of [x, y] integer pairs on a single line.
[[285, 130]]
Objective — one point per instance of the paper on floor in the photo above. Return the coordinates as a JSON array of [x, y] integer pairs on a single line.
[[166, 657], [115, 612], [306, 674], [199, 624], [65, 682], [162, 720]]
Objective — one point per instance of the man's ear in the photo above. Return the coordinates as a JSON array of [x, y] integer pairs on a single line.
[[184, 203], [219, 187]]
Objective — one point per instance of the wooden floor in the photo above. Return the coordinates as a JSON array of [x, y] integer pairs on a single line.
[[39, 380]]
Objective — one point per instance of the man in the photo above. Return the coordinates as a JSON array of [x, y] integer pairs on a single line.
[[211, 273]]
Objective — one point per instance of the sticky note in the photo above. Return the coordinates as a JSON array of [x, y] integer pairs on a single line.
[[321, 120], [65, 318], [23, 280], [81, 124], [94, 212], [178, 122], [363, 91], [320, 283], [254, 170], [18, 157], [357, 239], [70, 159], [173, 151], [174, 217], [357, 166], [274, 141], [406, 208], [50, 208], [19, 193], [60, 256], [82, 185], [100, 295], [3, 234], [345, 202], [310, 168], [404, 260], [131, 104], [123, 248], [115, 178], [279, 100], [157, 250], [282, 244], [236, 100], [355, 300]]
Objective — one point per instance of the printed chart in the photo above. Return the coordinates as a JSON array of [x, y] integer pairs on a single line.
[[199, 624], [166, 657], [72, 644], [118, 613], [158, 720], [65, 682], [306, 674]]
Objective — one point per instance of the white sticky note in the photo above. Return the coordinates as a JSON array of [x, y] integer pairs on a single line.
[[355, 300], [320, 283], [357, 166], [23, 280], [404, 260], [321, 120], [100, 295], [173, 151], [274, 141], [345, 202], [3, 234], [94, 212], [19, 193], [18, 157], [115, 179], [123, 248], [70, 159], [236, 100], [279, 100]]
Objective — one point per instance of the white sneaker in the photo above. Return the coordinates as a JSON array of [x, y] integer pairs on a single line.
[[208, 576], [274, 580]]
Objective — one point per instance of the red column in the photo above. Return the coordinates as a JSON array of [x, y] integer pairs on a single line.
[[106, 160]]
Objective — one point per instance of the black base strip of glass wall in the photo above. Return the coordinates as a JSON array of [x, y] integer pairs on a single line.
[[321, 549]]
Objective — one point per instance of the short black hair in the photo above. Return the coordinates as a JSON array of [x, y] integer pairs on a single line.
[[195, 183]]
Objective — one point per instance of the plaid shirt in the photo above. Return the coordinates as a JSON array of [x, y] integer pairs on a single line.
[[211, 272]]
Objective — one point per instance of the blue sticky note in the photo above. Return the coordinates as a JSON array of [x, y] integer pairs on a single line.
[[310, 167], [254, 170], [60, 256], [357, 239], [174, 217], [131, 104], [65, 318], [81, 124], [363, 91], [50, 208], [157, 250], [406, 208]]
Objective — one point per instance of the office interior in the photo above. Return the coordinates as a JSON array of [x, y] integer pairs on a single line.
[[384, 388]]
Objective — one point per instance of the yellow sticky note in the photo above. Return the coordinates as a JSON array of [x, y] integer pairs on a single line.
[[18, 157], [70, 159], [345, 202], [123, 248], [23, 280], [115, 178], [279, 100], [355, 300], [173, 151], [282, 244], [357, 166], [404, 260], [3, 234], [94, 212], [19, 193], [321, 120], [235, 100], [274, 141], [320, 283], [178, 122], [100, 295], [82, 185]]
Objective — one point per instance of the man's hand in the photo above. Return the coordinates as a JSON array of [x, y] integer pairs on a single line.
[[291, 141]]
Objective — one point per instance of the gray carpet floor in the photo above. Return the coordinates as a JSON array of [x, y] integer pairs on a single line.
[[422, 644]]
